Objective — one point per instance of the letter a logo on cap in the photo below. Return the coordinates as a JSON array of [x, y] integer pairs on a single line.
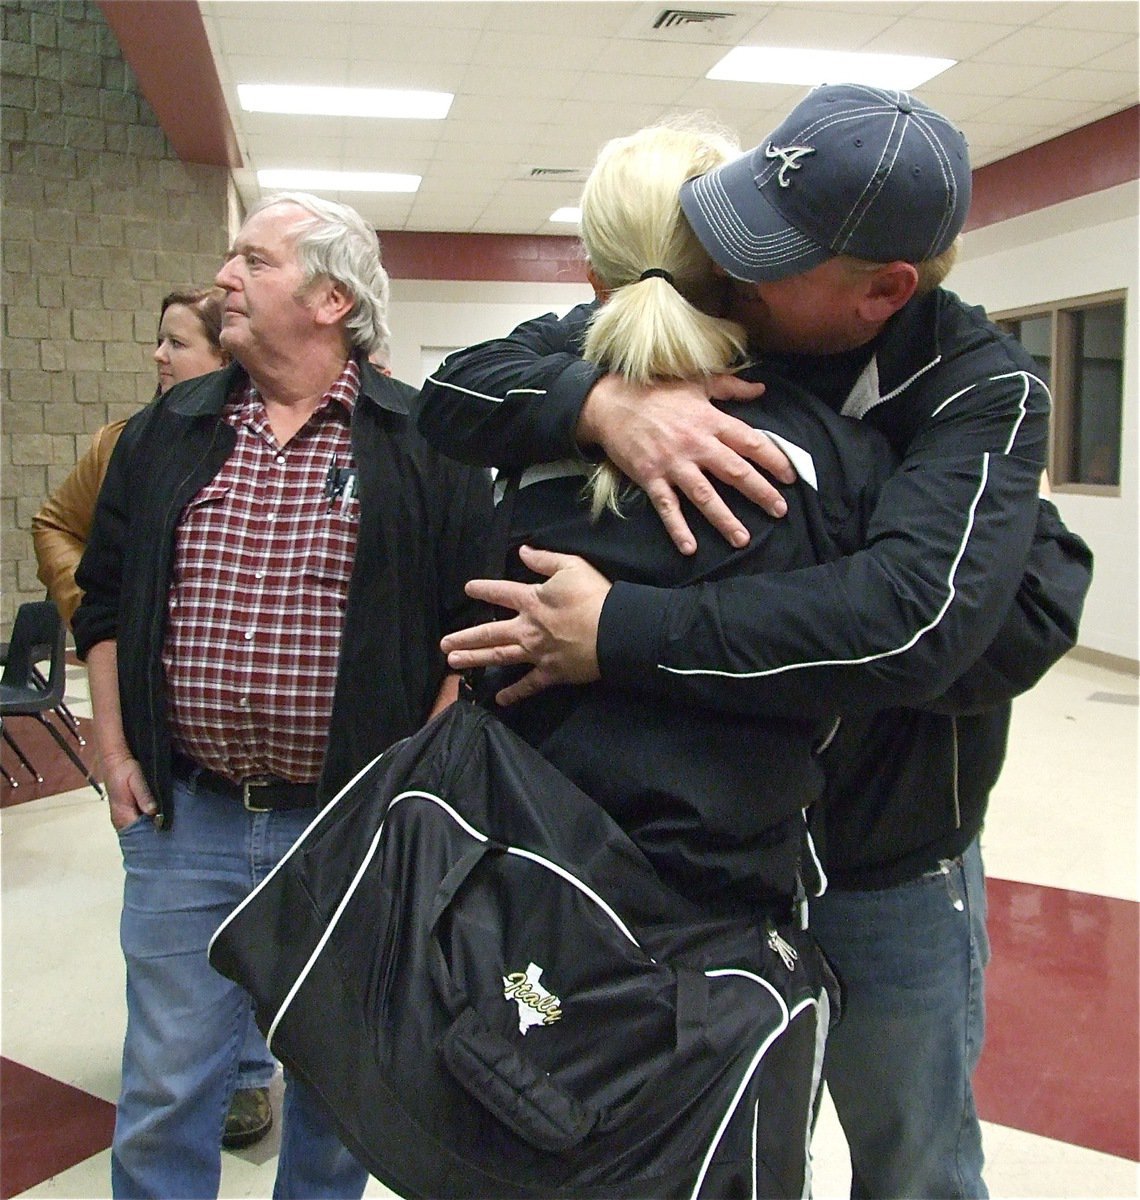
[[791, 156]]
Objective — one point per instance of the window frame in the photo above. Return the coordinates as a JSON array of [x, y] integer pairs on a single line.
[[1062, 420]]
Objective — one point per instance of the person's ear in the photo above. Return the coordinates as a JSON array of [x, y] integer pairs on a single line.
[[886, 290], [331, 302], [601, 292]]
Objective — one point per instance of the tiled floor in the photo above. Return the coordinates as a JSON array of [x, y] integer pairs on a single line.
[[1058, 1082]]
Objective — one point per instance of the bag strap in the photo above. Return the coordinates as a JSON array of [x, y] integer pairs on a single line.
[[449, 886], [473, 682]]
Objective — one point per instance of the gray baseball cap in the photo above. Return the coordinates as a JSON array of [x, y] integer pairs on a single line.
[[855, 170]]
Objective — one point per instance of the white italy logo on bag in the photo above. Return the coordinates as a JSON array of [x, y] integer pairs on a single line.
[[537, 1006]]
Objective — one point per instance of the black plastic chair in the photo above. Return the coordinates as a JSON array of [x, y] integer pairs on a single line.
[[61, 710], [38, 635], [9, 740]]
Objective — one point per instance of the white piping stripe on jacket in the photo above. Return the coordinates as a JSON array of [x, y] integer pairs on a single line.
[[815, 860], [562, 468], [443, 383], [1023, 407], [1026, 380], [838, 662]]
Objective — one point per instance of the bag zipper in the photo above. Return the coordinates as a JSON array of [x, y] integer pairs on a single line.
[[787, 952]]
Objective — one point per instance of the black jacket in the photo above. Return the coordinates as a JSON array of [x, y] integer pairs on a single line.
[[967, 590], [423, 523], [714, 800]]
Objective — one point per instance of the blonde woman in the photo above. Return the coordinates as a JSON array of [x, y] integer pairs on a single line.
[[715, 802]]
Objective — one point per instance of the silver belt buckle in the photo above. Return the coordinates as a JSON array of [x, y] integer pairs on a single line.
[[245, 789]]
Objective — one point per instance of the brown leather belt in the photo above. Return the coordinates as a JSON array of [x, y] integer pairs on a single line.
[[259, 794]]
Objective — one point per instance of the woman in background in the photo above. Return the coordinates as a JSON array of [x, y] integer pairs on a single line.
[[187, 345]]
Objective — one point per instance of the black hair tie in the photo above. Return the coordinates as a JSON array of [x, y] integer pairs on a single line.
[[656, 273]]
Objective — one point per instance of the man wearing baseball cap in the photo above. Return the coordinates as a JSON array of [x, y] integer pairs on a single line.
[[834, 236], [853, 171]]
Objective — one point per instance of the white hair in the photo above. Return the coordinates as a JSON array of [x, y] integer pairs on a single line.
[[336, 243]]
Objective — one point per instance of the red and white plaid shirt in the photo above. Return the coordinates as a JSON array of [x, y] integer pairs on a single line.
[[263, 557]]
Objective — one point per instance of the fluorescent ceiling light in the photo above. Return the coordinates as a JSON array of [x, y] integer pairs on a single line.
[[337, 181], [344, 101], [566, 216], [776, 64]]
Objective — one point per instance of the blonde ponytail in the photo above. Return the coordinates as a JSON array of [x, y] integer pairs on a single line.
[[643, 252]]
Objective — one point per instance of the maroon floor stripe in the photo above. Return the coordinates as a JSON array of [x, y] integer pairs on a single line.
[[1063, 1013], [47, 1127], [60, 774]]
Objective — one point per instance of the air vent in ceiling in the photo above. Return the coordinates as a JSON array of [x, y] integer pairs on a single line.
[[672, 18], [557, 174]]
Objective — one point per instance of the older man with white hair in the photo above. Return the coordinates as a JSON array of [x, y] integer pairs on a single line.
[[275, 556]]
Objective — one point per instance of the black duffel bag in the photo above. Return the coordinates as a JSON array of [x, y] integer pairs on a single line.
[[496, 996]]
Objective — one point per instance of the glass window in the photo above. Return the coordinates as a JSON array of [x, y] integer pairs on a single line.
[[1036, 335], [1078, 346], [1098, 382]]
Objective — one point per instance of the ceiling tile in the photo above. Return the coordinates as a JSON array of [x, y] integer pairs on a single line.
[[1089, 87], [980, 79], [841, 29], [646, 57], [1119, 15], [1049, 47], [1125, 60], [1001, 12], [941, 39]]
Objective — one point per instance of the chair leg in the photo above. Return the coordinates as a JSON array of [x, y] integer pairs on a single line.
[[79, 763], [22, 757], [8, 777], [64, 712], [68, 718]]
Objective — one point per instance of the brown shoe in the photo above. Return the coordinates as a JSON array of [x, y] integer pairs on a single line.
[[249, 1119]]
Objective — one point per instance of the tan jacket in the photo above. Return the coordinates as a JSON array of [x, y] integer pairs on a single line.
[[60, 528]]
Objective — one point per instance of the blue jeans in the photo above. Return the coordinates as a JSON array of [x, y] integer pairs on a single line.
[[186, 1025], [899, 1063], [257, 1066]]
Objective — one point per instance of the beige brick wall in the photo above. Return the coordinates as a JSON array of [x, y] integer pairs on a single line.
[[99, 221]]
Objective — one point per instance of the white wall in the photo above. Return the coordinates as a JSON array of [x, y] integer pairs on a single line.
[[429, 317], [1080, 248]]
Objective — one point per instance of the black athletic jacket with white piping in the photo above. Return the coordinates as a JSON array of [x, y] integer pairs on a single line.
[[969, 588], [714, 800]]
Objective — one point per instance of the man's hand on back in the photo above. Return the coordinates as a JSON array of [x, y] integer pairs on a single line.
[[668, 438], [555, 631]]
